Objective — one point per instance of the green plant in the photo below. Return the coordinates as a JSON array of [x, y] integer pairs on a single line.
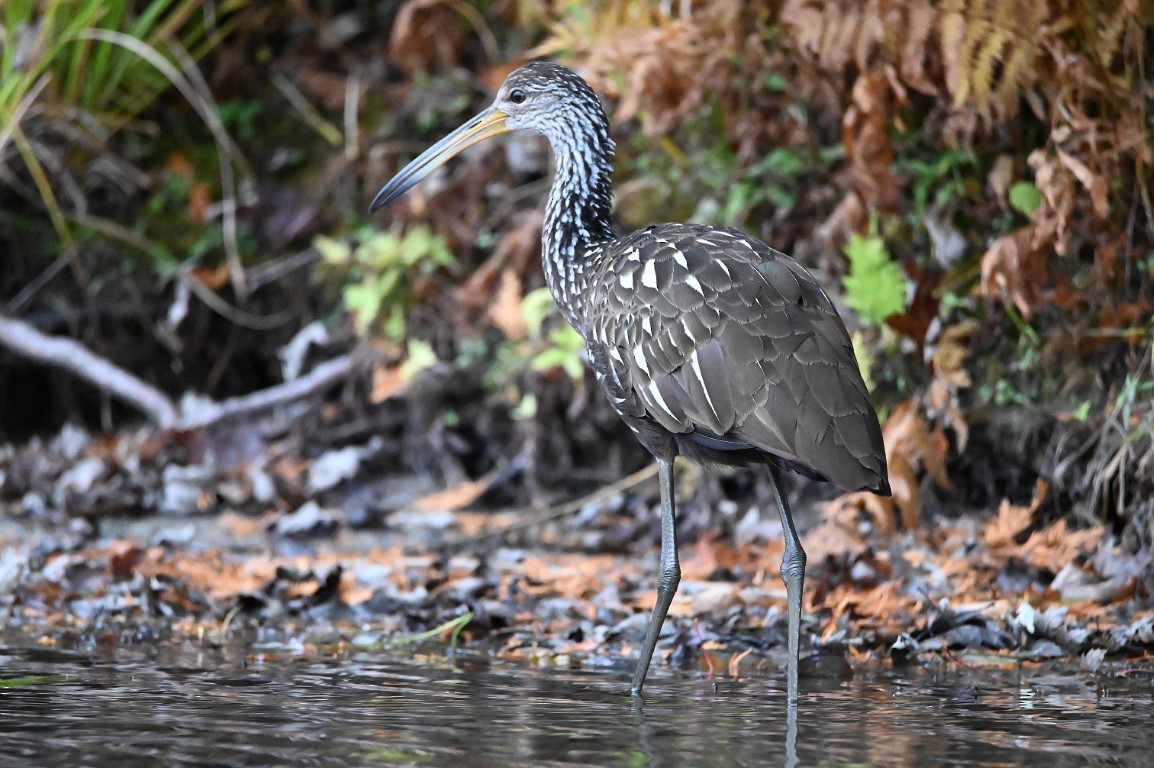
[[876, 285], [1025, 197], [240, 117], [564, 351], [379, 267], [564, 348], [938, 180], [106, 58], [102, 77]]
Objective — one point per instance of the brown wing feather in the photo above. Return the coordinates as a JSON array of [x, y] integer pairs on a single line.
[[710, 333]]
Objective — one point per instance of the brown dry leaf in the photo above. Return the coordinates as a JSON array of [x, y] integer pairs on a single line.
[[917, 47], [505, 311], [907, 432], [453, 498], [923, 309], [387, 382], [572, 576], [122, 560], [866, 135], [999, 179], [1004, 529], [1055, 545], [1013, 267], [352, 593], [179, 164], [478, 523], [1013, 519], [243, 526], [952, 350], [199, 201], [427, 36], [1052, 221], [702, 562], [837, 536], [211, 573], [211, 278], [848, 217], [1092, 182], [837, 34], [520, 246], [942, 404], [884, 602], [906, 494]]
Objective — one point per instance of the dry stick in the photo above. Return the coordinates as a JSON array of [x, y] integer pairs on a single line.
[[570, 507], [31, 289], [233, 314], [325, 374], [305, 110], [72, 356], [23, 339]]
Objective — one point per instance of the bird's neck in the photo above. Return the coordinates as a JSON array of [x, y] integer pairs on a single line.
[[577, 217]]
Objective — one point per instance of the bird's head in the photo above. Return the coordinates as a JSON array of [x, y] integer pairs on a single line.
[[540, 96]]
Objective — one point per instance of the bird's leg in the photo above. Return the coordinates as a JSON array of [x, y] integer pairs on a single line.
[[793, 574], [669, 577]]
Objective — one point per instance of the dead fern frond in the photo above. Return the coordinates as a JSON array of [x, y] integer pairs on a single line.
[[836, 32], [990, 50]]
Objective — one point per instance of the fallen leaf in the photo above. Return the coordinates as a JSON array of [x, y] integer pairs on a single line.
[[454, 498], [1013, 519], [505, 309]]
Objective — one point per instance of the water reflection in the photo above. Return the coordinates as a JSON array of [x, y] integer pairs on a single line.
[[182, 709]]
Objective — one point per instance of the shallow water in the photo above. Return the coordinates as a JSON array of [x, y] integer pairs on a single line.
[[164, 708]]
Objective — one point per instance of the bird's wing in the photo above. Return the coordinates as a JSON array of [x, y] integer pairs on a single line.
[[710, 331]]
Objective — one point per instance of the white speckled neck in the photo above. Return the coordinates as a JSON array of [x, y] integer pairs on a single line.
[[577, 215]]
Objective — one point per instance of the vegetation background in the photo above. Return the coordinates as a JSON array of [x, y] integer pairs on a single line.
[[183, 194]]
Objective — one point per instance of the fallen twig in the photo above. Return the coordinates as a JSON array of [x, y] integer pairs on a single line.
[[71, 355], [537, 517], [315, 380]]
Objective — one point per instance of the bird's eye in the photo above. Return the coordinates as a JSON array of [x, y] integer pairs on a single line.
[[517, 96]]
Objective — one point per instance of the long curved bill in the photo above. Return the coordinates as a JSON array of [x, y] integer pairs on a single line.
[[489, 123]]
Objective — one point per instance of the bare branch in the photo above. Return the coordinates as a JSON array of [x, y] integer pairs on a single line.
[[71, 355], [324, 375]]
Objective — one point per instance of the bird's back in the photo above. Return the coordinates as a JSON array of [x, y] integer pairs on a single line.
[[717, 347]]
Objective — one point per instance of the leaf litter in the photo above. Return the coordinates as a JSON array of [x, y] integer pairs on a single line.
[[295, 570]]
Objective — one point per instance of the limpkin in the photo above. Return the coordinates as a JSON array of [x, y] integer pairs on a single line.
[[709, 344]]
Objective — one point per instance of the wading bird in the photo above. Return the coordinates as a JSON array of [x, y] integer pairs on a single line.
[[709, 344]]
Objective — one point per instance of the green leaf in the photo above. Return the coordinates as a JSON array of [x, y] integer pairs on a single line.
[[876, 284], [1083, 411], [526, 408], [364, 301], [564, 353], [1025, 197], [379, 251], [387, 283], [784, 162], [861, 354], [332, 251], [776, 82], [548, 358], [420, 356], [535, 307], [395, 323]]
